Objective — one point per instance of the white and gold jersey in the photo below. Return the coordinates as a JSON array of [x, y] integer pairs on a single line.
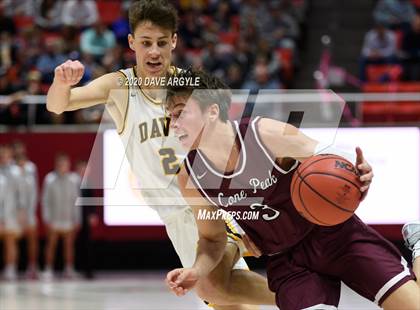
[[153, 152]]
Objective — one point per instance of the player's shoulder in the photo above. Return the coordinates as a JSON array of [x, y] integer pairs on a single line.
[[15, 171], [50, 177], [268, 127], [74, 177]]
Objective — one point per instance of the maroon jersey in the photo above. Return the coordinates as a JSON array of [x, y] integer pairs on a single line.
[[258, 184]]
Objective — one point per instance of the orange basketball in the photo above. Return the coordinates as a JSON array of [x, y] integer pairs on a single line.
[[325, 189]]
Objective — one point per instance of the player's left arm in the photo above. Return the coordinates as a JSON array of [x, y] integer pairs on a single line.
[[286, 141], [211, 243]]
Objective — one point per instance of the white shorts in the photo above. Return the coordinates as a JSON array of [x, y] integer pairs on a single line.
[[182, 230]]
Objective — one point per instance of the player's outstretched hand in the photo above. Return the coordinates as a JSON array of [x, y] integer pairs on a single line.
[[182, 280], [365, 171], [69, 73]]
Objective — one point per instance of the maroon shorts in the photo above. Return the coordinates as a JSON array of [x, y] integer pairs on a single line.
[[309, 275]]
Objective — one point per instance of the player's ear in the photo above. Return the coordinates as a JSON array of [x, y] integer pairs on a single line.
[[131, 41], [173, 41], [214, 112]]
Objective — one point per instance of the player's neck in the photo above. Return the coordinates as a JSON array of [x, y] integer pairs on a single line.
[[154, 92], [219, 146]]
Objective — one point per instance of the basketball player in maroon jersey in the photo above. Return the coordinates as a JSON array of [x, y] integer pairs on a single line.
[[248, 166]]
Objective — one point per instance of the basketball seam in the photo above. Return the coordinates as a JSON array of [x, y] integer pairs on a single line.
[[303, 203], [324, 158], [322, 196], [337, 176]]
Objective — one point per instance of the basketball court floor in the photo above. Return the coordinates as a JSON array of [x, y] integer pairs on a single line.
[[116, 291]]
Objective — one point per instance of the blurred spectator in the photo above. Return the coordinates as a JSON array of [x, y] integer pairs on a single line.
[[8, 50], [29, 181], [379, 47], [51, 58], [394, 13], [79, 13], [411, 50], [243, 55], [283, 28], [181, 56], [261, 78], [70, 37], [18, 7], [223, 15], [234, 78], [213, 61], [267, 51], [97, 40], [121, 28], [114, 59], [191, 30], [6, 23], [12, 211], [60, 215], [254, 12], [48, 13]]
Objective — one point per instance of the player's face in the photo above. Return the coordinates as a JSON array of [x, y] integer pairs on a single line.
[[153, 46], [187, 121]]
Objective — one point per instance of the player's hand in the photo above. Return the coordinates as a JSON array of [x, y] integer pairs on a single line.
[[182, 280], [365, 171], [253, 250], [69, 73]]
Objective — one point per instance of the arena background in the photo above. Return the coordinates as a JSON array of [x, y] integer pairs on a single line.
[[250, 44]]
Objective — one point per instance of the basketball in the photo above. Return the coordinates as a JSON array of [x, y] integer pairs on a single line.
[[325, 189]]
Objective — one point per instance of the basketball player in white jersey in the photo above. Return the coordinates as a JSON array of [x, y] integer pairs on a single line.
[[153, 155]]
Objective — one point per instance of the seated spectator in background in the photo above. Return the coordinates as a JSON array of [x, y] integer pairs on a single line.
[[11, 111], [261, 79], [12, 211], [243, 55], [394, 13], [18, 7], [283, 28], [411, 50], [51, 57], [213, 61], [180, 55], [79, 13], [191, 30], [60, 214], [254, 12], [268, 53], [29, 183], [6, 23], [234, 77], [379, 47], [48, 14], [8, 50], [97, 40], [223, 14], [121, 27]]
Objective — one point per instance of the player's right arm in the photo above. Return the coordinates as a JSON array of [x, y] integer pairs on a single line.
[[62, 97], [211, 243]]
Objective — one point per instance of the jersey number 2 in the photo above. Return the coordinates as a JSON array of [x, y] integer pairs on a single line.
[[169, 161]]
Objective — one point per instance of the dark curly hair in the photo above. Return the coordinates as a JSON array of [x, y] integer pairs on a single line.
[[210, 90], [159, 12]]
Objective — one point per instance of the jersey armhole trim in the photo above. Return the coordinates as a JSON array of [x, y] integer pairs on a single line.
[[128, 102], [266, 152]]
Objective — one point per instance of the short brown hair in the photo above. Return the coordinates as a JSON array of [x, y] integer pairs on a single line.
[[211, 90], [159, 12]]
